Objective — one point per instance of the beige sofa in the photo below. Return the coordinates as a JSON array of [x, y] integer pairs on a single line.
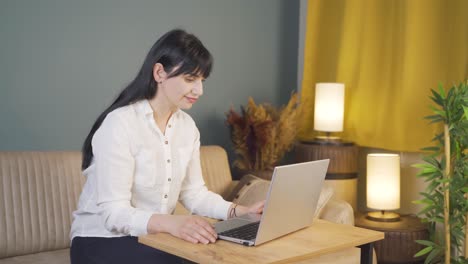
[[40, 190]]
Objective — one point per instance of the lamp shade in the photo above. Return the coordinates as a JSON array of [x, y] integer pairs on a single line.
[[383, 181], [329, 107]]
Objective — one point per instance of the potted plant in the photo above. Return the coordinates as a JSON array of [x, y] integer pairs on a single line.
[[261, 135], [446, 172]]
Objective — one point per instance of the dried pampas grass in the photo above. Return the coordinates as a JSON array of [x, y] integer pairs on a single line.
[[262, 134]]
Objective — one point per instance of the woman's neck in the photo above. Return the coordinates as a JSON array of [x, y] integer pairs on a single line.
[[161, 112]]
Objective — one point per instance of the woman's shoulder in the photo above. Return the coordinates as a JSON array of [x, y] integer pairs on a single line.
[[185, 118], [121, 115]]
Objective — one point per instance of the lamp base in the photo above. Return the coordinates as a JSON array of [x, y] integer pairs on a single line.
[[383, 216], [327, 138]]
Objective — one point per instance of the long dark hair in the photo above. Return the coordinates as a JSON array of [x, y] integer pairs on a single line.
[[179, 52]]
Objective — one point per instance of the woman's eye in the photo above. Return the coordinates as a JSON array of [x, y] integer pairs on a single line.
[[189, 80]]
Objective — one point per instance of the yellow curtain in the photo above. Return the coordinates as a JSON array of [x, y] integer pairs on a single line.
[[389, 54]]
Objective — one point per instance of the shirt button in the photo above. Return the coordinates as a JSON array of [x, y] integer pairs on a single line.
[[169, 126], [165, 196], [168, 161], [169, 179], [166, 142]]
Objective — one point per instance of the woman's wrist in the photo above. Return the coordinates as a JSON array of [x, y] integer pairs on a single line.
[[158, 223], [242, 210], [232, 212], [237, 210]]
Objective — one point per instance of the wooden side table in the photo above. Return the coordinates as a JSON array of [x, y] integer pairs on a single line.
[[398, 245], [343, 169]]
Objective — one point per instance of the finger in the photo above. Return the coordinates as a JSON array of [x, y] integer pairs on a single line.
[[208, 234], [189, 238], [208, 227], [199, 236], [262, 206]]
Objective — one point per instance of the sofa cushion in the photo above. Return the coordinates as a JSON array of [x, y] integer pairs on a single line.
[[49, 257], [252, 189]]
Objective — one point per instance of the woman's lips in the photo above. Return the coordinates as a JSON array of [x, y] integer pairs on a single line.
[[191, 100]]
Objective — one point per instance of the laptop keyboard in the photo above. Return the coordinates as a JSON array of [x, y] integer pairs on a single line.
[[245, 232]]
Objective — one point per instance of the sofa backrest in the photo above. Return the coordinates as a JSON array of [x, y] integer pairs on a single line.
[[215, 169], [40, 190]]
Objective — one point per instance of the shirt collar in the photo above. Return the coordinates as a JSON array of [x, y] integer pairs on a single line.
[[145, 108]]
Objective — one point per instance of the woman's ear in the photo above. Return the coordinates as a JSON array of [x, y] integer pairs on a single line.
[[159, 74]]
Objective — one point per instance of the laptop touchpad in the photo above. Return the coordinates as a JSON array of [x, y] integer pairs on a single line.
[[230, 224]]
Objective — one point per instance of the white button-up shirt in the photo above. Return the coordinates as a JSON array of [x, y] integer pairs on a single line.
[[138, 171]]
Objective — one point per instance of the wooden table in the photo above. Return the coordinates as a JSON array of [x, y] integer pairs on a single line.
[[320, 238]]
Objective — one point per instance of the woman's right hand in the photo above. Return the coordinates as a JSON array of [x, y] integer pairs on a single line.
[[191, 228]]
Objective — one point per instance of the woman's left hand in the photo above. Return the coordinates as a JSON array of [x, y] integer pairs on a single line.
[[256, 208]]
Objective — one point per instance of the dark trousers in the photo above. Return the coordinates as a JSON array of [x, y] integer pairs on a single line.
[[116, 250]]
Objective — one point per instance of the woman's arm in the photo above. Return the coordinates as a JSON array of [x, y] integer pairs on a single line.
[[199, 200], [237, 210], [194, 194], [114, 173]]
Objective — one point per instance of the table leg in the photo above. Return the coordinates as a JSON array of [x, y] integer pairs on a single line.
[[366, 253]]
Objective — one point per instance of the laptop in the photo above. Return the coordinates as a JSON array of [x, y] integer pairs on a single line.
[[290, 205]]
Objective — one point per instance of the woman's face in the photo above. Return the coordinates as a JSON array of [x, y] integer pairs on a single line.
[[182, 91]]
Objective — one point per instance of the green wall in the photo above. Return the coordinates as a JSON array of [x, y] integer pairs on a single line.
[[63, 62]]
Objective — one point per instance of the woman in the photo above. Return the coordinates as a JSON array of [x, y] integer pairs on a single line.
[[142, 156]]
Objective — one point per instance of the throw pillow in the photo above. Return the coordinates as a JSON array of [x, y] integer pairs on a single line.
[[252, 189], [325, 195], [243, 182]]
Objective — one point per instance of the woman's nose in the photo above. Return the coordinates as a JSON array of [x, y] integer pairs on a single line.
[[198, 88]]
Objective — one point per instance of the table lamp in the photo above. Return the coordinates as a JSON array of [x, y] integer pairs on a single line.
[[383, 186], [329, 118], [329, 108]]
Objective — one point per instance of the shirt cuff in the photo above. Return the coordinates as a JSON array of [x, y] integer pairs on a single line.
[[221, 210], [140, 221]]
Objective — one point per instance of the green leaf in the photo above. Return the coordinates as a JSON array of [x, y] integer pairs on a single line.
[[443, 181], [432, 161], [425, 243], [435, 149], [422, 165], [431, 117], [427, 209], [434, 253], [430, 169], [437, 98], [440, 113], [424, 201], [423, 252], [441, 91], [428, 196]]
